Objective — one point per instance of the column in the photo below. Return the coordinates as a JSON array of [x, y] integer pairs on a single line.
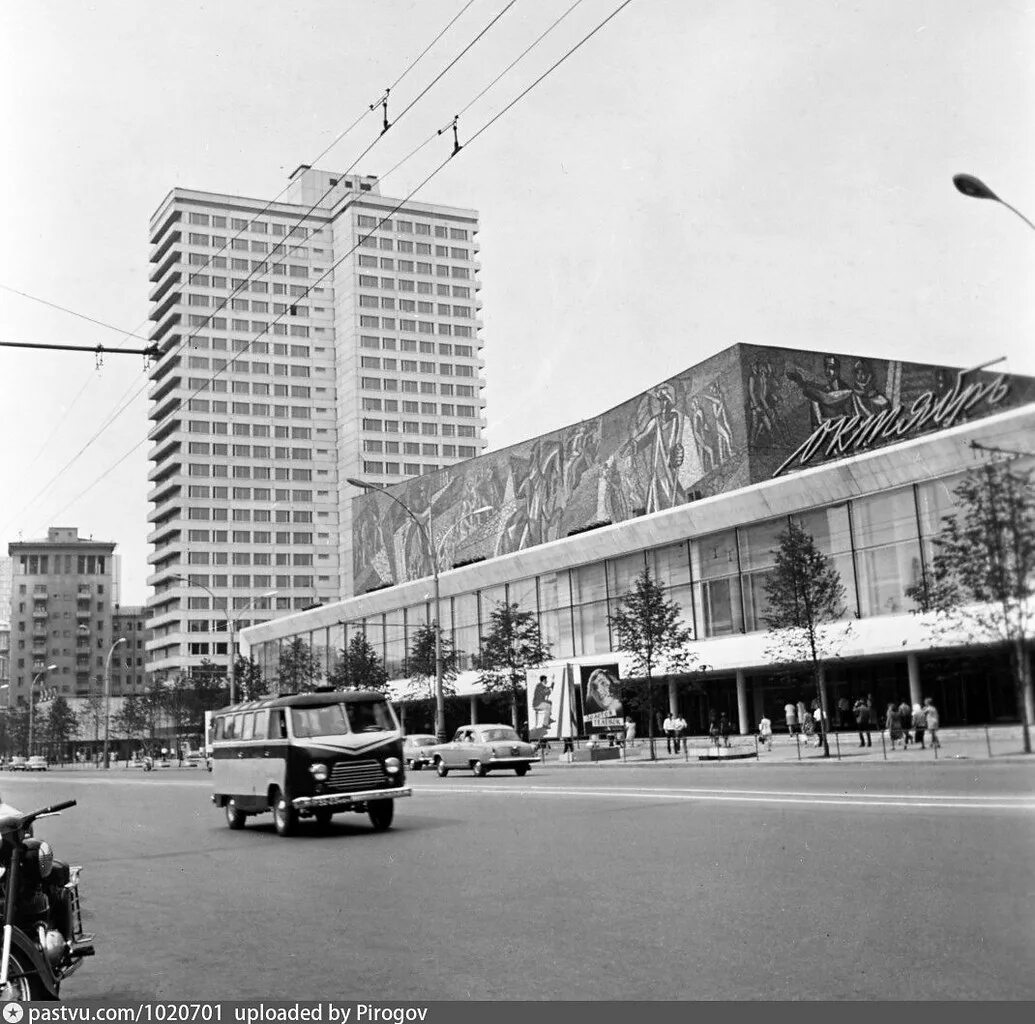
[[742, 702], [673, 700], [474, 710], [915, 690]]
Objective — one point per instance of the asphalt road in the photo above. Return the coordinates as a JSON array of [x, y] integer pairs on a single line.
[[598, 882]]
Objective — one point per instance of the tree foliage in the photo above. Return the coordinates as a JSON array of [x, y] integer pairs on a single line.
[[359, 667], [60, 727], [298, 669], [981, 579], [421, 665], [650, 632], [249, 683], [806, 598], [512, 645]]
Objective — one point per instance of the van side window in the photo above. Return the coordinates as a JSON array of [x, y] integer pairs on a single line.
[[278, 728], [238, 723], [248, 725], [217, 731], [261, 723], [228, 727]]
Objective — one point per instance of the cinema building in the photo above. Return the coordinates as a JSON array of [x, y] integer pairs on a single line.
[[696, 478]]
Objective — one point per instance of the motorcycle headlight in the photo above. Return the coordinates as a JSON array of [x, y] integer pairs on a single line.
[[319, 771], [392, 765], [45, 853]]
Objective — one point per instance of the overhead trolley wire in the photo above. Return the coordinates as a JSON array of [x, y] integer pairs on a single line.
[[395, 209]]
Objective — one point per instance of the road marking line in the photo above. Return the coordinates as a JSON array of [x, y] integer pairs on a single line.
[[909, 803]]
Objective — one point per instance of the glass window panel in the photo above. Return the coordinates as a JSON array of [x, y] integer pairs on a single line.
[[756, 604], [465, 641], [395, 643], [715, 555], [554, 591], [591, 632], [336, 642], [845, 566], [523, 594], [670, 565], [760, 542], [682, 596], [937, 500], [318, 646], [884, 574], [247, 726], [622, 572], [465, 610], [829, 528], [884, 518], [587, 583], [718, 607], [261, 724], [487, 601], [555, 629], [375, 631]]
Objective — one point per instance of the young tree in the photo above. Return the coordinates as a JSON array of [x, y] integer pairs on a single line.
[[359, 667], [650, 631], [512, 645], [93, 716], [298, 668], [421, 664], [132, 719], [983, 572], [61, 727], [16, 729], [805, 597], [249, 683]]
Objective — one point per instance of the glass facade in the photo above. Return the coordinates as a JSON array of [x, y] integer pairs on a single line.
[[718, 580]]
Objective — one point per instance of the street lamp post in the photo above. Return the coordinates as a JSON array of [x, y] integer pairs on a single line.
[[107, 696], [977, 189], [433, 554], [32, 702], [230, 623]]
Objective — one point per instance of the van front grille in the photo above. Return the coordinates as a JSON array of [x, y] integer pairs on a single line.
[[355, 776]]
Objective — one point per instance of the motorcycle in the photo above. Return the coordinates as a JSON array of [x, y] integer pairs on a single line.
[[43, 938]]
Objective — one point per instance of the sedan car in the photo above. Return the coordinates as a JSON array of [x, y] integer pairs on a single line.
[[483, 748], [17, 764], [416, 752], [36, 763]]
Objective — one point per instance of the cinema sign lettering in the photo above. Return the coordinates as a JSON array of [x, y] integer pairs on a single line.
[[845, 435]]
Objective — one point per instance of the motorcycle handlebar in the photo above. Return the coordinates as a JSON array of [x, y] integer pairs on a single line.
[[56, 808]]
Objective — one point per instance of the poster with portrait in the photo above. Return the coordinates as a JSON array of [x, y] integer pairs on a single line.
[[601, 698], [550, 712]]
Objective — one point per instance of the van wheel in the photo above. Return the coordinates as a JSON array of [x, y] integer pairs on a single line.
[[235, 818], [381, 813], [285, 817], [440, 767], [479, 769]]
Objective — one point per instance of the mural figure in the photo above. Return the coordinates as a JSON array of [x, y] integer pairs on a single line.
[[611, 503], [828, 398], [580, 454], [656, 447], [702, 432], [762, 400], [867, 400], [723, 431]]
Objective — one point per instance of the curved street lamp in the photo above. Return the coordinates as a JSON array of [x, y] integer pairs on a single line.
[[230, 622], [434, 553], [32, 701], [977, 189], [107, 697]]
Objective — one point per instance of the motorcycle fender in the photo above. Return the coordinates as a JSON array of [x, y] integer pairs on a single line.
[[30, 953]]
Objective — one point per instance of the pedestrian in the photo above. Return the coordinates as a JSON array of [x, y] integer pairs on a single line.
[[932, 722], [863, 721], [919, 726], [803, 715], [790, 714], [630, 733], [808, 725], [679, 728], [765, 732], [893, 723], [905, 714], [669, 730], [725, 728], [822, 723], [843, 712]]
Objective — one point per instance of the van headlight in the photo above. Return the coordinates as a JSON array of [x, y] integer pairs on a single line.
[[392, 765], [319, 771]]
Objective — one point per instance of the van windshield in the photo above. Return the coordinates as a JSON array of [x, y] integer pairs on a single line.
[[335, 719]]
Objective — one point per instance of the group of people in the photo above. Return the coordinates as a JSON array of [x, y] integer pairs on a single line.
[[904, 723], [914, 723], [674, 728], [811, 722]]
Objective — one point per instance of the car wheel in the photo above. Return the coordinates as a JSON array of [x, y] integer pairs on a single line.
[[285, 817], [479, 769], [235, 818], [440, 767], [381, 813], [521, 770]]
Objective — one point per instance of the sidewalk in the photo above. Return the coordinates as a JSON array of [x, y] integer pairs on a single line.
[[975, 743]]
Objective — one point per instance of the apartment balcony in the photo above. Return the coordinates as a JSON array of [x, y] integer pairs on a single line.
[[161, 310], [165, 618], [162, 409], [166, 469], [165, 326], [164, 365], [164, 285], [163, 575], [39, 591], [39, 613], [166, 448], [171, 343], [166, 531], [166, 496], [163, 247], [82, 614], [166, 551], [163, 388], [161, 431], [164, 224], [82, 664]]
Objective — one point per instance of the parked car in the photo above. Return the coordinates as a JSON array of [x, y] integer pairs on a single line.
[[416, 750], [483, 748], [36, 763], [17, 764]]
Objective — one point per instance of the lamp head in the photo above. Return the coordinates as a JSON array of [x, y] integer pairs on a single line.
[[50, 668], [362, 484], [973, 187]]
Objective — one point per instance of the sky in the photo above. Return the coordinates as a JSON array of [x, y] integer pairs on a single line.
[[695, 175]]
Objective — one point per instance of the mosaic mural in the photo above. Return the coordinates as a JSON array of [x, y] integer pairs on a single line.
[[744, 415]]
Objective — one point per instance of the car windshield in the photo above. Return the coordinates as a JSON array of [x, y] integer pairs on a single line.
[[335, 719], [500, 734]]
